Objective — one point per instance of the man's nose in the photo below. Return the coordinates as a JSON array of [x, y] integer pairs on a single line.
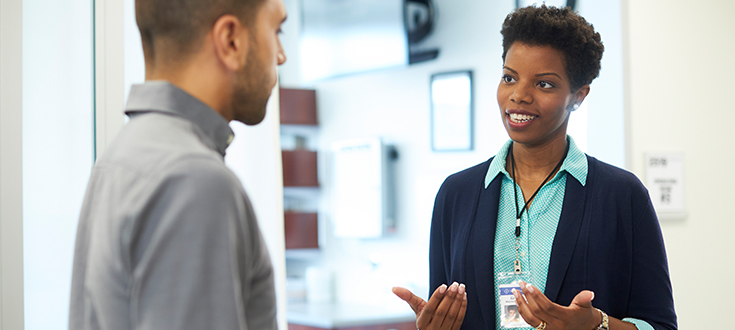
[[281, 57]]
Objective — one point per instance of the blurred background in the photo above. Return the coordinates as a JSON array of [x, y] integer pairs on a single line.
[[378, 102]]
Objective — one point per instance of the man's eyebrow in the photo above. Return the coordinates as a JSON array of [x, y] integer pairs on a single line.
[[284, 19]]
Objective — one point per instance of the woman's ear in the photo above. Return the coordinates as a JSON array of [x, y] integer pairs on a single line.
[[231, 41], [579, 95]]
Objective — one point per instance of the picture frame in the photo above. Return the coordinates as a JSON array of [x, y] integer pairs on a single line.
[[452, 104]]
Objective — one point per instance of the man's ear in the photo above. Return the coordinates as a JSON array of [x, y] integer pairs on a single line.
[[231, 42]]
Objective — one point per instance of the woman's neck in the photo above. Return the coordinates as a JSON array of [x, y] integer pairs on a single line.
[[534, 162]]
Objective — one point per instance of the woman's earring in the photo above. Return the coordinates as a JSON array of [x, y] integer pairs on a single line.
[[575, 107]]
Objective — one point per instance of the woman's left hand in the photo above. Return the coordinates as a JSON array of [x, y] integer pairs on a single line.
[[536, 308]]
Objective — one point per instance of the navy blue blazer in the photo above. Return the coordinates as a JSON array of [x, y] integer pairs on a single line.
[[608, 241]]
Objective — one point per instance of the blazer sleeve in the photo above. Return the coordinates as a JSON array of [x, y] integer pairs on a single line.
[[651, 296], [437, 249]]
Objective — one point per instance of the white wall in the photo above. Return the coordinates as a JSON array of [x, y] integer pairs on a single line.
[[109, 62], [394, 104], [134, 70], [58, 150], [606, 121], [679, 72], [46, 129], [255, 157], [11, 164]]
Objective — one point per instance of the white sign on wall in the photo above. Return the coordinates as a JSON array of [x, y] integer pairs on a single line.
[[358, 188], [665, 183]]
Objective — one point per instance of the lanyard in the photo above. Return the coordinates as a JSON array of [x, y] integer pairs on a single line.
[[517, 262]]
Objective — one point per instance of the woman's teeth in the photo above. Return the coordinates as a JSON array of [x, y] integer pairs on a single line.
[[520, 118]]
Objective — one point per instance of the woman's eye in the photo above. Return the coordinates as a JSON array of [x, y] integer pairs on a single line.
[[507, 79], [545, 85]]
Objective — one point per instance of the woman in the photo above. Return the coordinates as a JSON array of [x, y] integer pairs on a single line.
[[542, 221]]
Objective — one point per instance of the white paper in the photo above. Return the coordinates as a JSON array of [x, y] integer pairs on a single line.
[[665, 183]]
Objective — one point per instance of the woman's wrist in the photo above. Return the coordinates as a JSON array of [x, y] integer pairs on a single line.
[[604, 321]]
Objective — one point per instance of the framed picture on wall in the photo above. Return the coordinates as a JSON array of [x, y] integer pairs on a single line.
[[451, 111]]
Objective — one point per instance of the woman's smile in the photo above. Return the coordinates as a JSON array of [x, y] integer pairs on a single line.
[[519, 118]]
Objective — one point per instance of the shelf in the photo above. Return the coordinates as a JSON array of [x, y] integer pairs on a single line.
[[298, 116], [299, 168], [302, 230], [298, 106]]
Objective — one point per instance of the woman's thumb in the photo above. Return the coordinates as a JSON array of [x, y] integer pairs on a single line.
[[584, 299]]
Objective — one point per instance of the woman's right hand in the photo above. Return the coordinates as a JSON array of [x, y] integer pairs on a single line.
[[445, 309]]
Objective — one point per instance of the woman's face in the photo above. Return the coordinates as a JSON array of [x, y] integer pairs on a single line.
[[534, 94]]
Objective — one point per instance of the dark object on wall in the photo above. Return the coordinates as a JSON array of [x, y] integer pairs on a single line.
[[419, 22], [298, 106], [301, 230], [558, 3], [419, 19]]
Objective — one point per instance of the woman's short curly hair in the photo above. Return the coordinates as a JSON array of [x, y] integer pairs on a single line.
[[562, 29]]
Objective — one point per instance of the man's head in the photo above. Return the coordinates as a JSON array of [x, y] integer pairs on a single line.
[[224, 52]]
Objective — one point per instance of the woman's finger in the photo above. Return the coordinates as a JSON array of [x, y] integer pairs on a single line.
[[453, 311], [426, 315], [442, 310], [540, 305], [406, 295], [460, 316], [524, 310], [583, 299]]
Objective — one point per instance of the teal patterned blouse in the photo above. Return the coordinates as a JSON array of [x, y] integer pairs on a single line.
[[538, 222]]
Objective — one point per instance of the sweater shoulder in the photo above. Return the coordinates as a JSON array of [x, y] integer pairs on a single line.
[[615, 180]]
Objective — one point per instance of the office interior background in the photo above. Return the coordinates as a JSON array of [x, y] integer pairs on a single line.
[[66, 68]]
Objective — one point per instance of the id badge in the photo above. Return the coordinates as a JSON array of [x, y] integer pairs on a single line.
[[510, 318]]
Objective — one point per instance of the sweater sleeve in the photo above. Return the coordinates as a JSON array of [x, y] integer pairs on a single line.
[[651, 297], [437, 249]]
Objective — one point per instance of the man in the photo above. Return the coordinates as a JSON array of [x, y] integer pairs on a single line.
[[167, 238]]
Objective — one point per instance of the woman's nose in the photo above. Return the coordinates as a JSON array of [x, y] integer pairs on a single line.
[[520, 94]]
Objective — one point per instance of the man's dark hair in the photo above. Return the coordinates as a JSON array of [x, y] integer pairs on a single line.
[[562, 29], [181, 24]]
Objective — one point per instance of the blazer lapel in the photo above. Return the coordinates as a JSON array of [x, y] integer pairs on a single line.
[[482, 247], [565, 240]]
